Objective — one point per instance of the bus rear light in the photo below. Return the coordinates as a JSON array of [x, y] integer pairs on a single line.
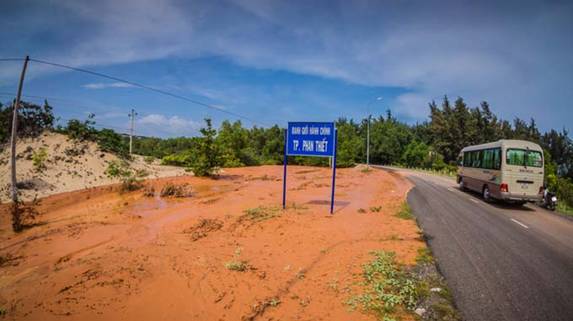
[[541, 189], [504, 188]]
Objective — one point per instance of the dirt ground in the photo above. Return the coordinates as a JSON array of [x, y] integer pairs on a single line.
[[227, 252]]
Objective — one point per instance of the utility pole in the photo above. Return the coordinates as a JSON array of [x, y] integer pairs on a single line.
[[16, 222], [368, 142], [131, 130], [368, 133]]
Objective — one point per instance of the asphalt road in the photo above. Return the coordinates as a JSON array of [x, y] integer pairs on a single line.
[[501, 262]]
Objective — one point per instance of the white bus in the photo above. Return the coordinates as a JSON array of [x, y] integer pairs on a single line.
[[507, 170]]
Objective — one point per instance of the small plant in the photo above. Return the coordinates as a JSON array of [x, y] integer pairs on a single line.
[[172, 190], [203, 228], [260, 213], [39, 158], [361, 211], [387, 287], [239, 266], [130, 179], [375, 209], [236, 264], [405, 212], [424, 256], [274, 302]]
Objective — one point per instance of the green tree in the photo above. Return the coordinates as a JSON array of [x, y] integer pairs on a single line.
[[208, 155], [32, 120]]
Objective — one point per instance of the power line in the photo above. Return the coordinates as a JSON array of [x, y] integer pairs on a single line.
[[135, 84], [84, 114]]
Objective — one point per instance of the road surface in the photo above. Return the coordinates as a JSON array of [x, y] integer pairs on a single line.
[[501, 262]]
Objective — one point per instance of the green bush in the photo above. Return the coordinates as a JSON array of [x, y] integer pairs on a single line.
[[208, 156], [81, 130], [39, 158], [387, 287], [130, 179], [564, 191], [112, 142], [32, 120]]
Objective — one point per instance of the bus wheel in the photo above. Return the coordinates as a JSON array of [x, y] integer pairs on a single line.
[[486, 195]]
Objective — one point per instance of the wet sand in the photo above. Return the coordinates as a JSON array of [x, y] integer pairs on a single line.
[[101, 255]]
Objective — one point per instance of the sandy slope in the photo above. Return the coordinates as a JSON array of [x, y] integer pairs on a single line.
[[101, 255], [70, 166]]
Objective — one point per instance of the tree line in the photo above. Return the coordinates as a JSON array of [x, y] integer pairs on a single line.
[[433, 144]]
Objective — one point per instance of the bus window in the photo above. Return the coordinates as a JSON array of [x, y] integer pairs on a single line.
[[487, 159], [522, 157], [467, 159], [477, 159], [533, 159], [497, 158]]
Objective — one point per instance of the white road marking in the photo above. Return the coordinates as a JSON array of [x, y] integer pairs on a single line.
[[518, 222], [471, 199]]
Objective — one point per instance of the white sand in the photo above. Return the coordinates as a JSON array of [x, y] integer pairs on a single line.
[[65, 171]]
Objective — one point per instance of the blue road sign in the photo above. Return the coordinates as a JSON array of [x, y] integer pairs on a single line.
[[310, 139]]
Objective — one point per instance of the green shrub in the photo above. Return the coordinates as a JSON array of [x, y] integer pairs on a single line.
[[39, 158], [81, 130], [564, 190], [112, 142], [387, 286], [208, 158], [130, 179]]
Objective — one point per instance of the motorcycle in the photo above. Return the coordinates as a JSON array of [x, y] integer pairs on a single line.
[[549, 201]]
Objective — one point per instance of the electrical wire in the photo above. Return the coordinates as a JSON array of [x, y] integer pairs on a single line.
[[160, 91]]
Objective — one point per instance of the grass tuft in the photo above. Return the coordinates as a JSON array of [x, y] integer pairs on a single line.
[[239, 266], [424, 256], [388, 288], [172, 190], [405, 212], [261, 213], [375, 209]]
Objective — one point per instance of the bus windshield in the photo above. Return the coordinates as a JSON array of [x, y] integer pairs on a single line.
[[522, 157]]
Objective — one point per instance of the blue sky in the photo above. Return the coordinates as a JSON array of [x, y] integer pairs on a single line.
[[275, 61]]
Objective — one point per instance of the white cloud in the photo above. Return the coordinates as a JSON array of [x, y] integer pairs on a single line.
[[102, 85], [171, 125], [514, 54]]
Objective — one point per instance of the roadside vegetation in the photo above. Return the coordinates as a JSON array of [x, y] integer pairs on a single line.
[[387, 288], [390, 290], [431, 145], [405, 212], [131, 179]]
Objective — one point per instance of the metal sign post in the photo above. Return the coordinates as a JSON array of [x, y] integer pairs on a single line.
[[317, 139], [333, 171], [285, 171]]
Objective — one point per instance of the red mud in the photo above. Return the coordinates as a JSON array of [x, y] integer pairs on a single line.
[[101, 255]]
